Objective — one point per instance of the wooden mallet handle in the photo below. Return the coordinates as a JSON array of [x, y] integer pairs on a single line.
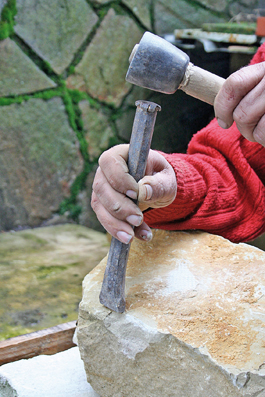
[[201, 84]]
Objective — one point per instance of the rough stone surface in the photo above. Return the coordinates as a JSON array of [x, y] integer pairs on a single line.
[[39, 160], [55, 29], [193, 326], [170, 15], [236, 9], [2, 3], [88, 217], [216, 6], [247, 10], [98, 131], [97, 2], [41, 275], [59, 375], [102, 70], [124, 121], [142, 9], [18, 74]]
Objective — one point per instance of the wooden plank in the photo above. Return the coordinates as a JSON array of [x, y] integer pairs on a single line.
[[47, 341]]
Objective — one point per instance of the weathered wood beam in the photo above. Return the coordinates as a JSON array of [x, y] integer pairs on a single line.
[[47, 341]]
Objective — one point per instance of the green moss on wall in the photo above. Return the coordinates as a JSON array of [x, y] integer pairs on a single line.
[[71, 98], [7, 19]]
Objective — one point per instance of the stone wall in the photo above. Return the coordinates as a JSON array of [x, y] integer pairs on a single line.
[[64, 99]]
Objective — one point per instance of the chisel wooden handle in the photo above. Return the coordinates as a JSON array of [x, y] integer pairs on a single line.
[[112, 293]]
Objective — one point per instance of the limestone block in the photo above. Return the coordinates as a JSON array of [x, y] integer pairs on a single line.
[[38, 163], [193, 325], [98, 131], [102, 70], [41, 275], [142, 9], [59, 375], [18, 74], [181, 14], [62, 26]]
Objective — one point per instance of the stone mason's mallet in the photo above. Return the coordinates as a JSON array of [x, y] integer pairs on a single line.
[[160, 66], [112, 293]]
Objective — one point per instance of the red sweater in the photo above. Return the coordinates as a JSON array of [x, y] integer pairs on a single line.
[[220, 184]]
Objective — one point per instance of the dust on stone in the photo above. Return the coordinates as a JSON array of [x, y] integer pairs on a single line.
[[196, 309]]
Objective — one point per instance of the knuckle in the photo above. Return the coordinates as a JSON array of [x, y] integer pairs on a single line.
[[96, 186], [237, 78], [161, 192], [94, 202], [233, 85], [242, 115], [239, 115], [103, 158], [97, 180], [116, 207]]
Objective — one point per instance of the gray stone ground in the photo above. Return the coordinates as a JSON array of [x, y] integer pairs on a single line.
[[42, 270]]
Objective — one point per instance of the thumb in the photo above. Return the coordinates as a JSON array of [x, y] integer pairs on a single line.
[[158, 190]]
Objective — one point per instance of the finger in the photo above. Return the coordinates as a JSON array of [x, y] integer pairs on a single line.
[[258, 132], [119, 229], [250, 110], [234, 89], [157, 191], [143, 232], [113, 164], [160, 188], [117, 204]]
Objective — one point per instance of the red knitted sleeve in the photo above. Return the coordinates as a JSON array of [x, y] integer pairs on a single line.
[[220, 184]]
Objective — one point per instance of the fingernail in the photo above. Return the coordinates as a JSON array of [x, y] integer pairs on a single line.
[[124, 237], [148, 192], [134, 220], [222, 124], [146, 235], [132, 194]]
